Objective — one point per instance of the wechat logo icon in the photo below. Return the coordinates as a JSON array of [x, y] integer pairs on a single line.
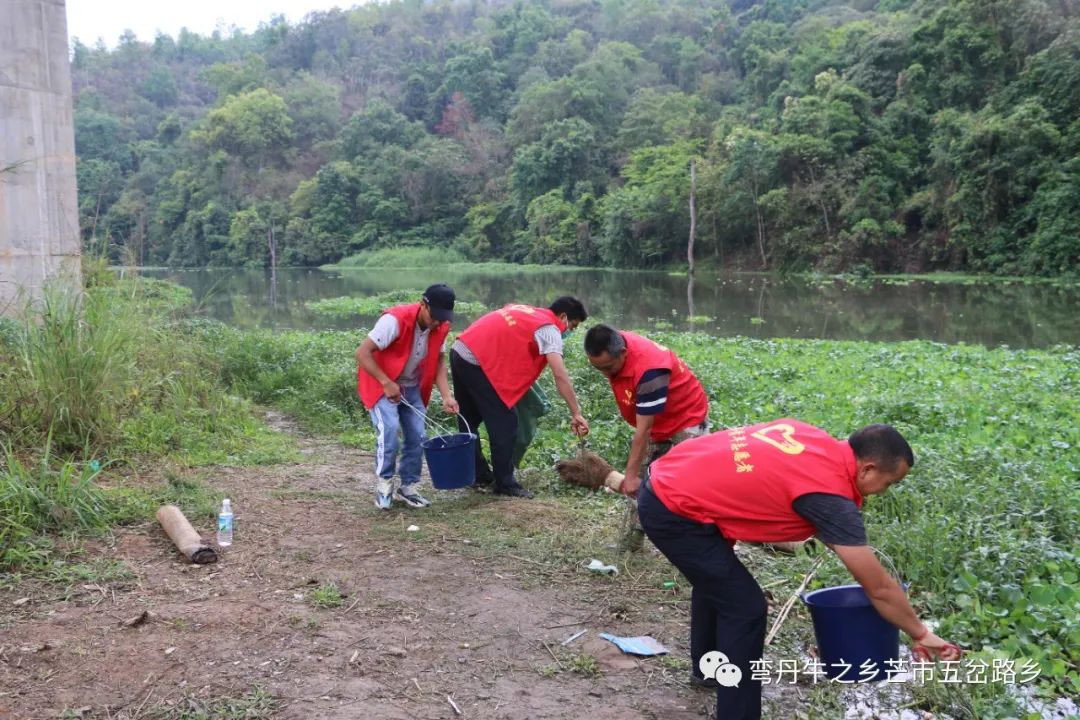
[[714, 665]]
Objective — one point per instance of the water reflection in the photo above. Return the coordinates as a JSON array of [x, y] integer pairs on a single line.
[[1018, 315]]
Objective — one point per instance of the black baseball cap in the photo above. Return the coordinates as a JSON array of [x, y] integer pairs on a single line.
[[440, 300]]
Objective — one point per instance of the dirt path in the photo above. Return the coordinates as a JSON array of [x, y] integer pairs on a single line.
[[426, 616]]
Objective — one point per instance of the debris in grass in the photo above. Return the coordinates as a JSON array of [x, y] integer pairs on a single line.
[[573, 637], [598, 567], [138, 620], [639, 645]]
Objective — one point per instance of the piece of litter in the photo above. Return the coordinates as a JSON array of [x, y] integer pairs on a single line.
[[640, 645], [573, 637], [412, 528], [598, 567], [21, 601], [170, 651]]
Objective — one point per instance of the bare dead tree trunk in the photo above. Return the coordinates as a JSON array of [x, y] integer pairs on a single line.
[[821, 202], [716, 240], [273, 264], [690, 309], [760, 222], [140, 234], [693, 219]]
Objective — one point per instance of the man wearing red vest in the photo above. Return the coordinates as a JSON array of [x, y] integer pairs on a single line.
[[656, 393], [401, 359], [776, 481], [494, 363]]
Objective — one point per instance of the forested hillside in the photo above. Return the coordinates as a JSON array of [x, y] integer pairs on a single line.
[[895, 135]]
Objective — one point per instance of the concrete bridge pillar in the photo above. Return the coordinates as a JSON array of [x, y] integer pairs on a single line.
[[39, 218]]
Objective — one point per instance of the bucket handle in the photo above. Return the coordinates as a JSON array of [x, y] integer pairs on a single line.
[[890, 565], [427, 418]]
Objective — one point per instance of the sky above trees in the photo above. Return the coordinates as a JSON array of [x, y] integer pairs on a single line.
[[90, 20]]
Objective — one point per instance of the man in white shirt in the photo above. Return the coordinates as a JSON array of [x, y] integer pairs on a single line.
[[397, 365]]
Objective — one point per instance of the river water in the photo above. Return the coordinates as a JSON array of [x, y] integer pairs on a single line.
[[753, 305]]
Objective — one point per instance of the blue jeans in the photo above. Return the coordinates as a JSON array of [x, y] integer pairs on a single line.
[[391, 418]]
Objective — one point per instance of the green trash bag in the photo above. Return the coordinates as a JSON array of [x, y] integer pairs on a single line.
[[532, 406]]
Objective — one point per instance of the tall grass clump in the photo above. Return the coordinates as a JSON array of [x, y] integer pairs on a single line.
[[109, 376], [79, 362], [116, 370], [42, 497]]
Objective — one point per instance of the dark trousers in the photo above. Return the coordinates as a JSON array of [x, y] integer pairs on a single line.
[[727, 606], [480, 403]]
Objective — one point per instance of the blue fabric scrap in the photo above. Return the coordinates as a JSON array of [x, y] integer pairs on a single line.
[[640, 645]]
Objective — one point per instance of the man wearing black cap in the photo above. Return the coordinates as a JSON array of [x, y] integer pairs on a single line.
[[400, 360]]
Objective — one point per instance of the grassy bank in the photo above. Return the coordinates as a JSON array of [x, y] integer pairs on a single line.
[[94, 388], [983, 528], [447, 259], [373, 305]]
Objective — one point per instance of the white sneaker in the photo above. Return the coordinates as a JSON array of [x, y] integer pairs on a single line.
[[408, 495], [383, 489]]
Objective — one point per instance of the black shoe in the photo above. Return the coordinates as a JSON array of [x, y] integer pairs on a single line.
[[513, 491], [483, 484], [702, 682]]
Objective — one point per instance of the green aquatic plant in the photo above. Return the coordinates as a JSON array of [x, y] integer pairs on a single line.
[[373, 305]]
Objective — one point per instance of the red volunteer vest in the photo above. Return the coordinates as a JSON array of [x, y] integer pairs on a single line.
[[686, 405], [393, 358], [744, 480], [503, 344]]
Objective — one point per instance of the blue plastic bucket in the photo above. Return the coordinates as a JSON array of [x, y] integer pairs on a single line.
[[852, 635], [451, 460]]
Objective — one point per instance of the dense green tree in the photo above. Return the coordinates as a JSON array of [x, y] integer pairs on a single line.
[[646, 220], [554, 230], [656, 116], [376, 126], [565, 155], [475, 74], [254, 126]]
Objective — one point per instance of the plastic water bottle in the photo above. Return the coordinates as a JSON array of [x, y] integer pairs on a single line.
[[225, 524]]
